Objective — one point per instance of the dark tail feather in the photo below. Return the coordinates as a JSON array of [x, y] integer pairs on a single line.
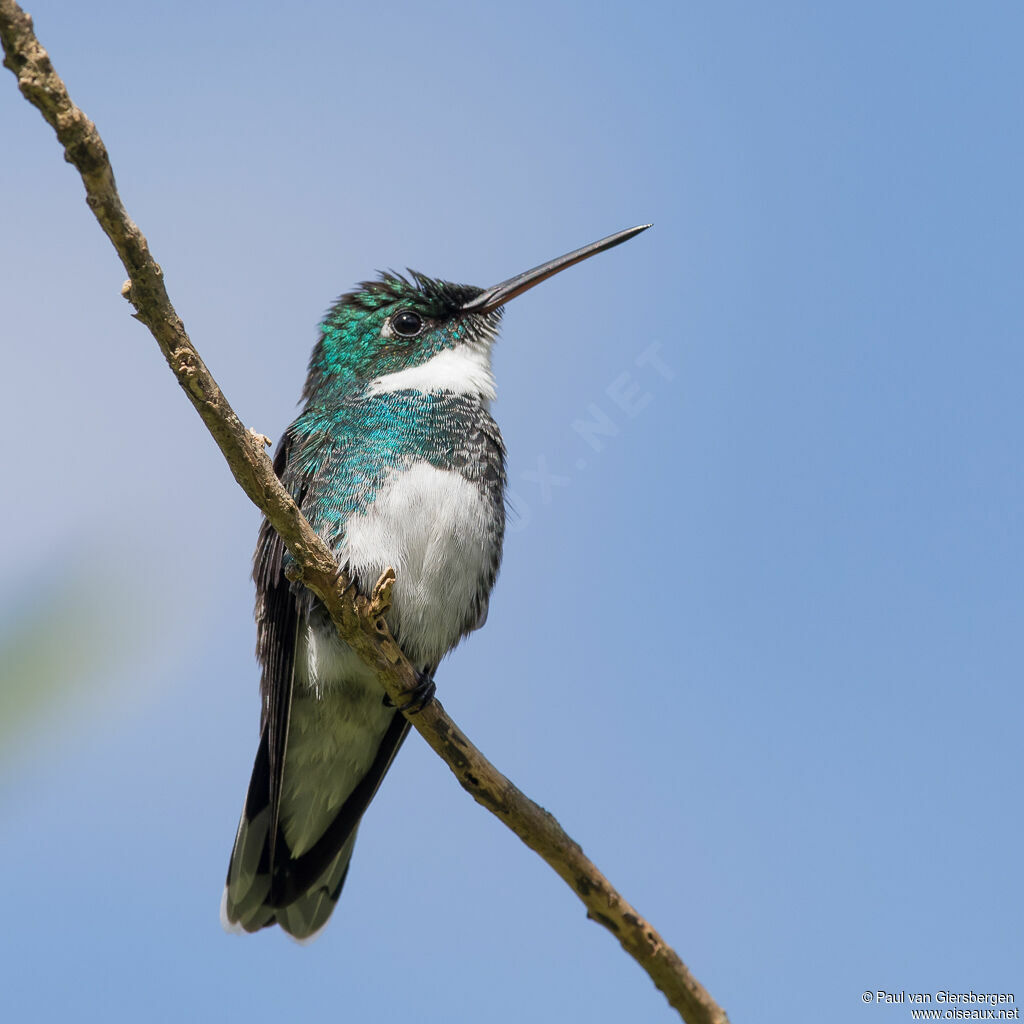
[[300, 902], [300, 892]]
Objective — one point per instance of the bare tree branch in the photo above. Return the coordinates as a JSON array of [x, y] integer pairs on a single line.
[[359, 619]]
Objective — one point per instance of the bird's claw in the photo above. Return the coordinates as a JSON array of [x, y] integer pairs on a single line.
[[380, 600], [419, 696]]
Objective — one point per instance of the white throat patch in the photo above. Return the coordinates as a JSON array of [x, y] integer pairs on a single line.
[[465, 370]]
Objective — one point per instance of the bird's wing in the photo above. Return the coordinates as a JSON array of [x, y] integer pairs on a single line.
[[277, 617]]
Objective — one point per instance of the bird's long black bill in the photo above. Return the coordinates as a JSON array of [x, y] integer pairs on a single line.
[[502, 293]]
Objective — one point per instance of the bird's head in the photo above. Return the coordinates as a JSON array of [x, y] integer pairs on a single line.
[[420, 333]]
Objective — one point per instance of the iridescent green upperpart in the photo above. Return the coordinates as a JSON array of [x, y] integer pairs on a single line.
[[357, 343]]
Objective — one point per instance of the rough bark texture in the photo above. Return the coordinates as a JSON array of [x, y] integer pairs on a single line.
[[360, 619]]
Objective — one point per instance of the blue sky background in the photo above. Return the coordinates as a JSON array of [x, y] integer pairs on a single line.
[[761, 653]]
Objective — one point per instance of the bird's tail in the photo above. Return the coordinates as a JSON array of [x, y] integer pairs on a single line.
[[258, 894]]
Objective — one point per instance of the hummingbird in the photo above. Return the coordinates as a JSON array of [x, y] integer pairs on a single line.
[[396, 462]]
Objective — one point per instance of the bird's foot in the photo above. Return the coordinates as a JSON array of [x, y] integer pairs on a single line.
[[419, 696]]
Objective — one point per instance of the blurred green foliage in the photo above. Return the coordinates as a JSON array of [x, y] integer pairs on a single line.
[[49, 650], [60, 644]]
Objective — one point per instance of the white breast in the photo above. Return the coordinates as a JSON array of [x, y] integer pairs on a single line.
[[434, 529]]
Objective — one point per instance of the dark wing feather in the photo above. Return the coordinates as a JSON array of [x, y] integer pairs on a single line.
[[277, 617]]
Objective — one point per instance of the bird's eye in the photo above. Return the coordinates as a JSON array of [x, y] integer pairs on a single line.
[[407, 324]]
